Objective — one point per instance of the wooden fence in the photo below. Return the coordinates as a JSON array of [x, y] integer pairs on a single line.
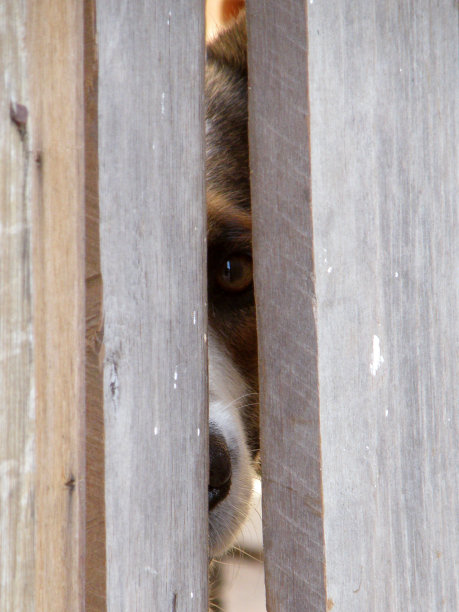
[[103, 424]]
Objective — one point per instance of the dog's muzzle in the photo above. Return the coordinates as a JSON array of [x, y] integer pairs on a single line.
[[219, 469]]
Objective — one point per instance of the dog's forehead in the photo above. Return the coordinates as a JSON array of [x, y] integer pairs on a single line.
[[228, 222], [227, 163]]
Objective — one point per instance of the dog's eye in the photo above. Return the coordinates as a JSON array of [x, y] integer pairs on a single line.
[[235, 273]]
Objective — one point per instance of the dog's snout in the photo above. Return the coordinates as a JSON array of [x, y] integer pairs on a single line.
[[219, 469]]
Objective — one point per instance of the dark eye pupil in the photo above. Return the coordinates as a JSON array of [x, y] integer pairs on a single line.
[[233, 270], [236, 273]]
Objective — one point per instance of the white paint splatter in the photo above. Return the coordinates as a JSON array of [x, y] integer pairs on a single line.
[[387, 413], [150, 570], [169, 15], [191, 594], [175, 374], [329, 269], [194, 317], [376, 358], [198, 432], [163, 105], [156, 430], [396, 275]]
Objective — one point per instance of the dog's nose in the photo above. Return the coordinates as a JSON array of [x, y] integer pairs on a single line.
[[219, 469]]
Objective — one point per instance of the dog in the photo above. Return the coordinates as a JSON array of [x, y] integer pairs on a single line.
[[233, 375]]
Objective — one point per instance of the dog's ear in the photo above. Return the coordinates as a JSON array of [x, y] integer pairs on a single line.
[[230, 9], [229, 48]]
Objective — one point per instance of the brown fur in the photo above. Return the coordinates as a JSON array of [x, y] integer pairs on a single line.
[[228, 205]]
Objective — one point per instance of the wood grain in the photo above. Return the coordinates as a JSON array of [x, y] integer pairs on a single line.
[[42, 308], [152, 211], [285, 294], [380, 261], [95, 569], [384, 92], [55, 50], [17, 385]]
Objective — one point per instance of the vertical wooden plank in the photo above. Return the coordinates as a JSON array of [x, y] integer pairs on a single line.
[[55, 51], [41, 308], [95, 565], [285, 293], [17, 406], [151, 61], [383, 92]]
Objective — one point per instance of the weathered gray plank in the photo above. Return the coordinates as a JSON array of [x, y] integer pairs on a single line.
[[17, 406], [284, 284], [384, 167], [151, 60], [383, 92]]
